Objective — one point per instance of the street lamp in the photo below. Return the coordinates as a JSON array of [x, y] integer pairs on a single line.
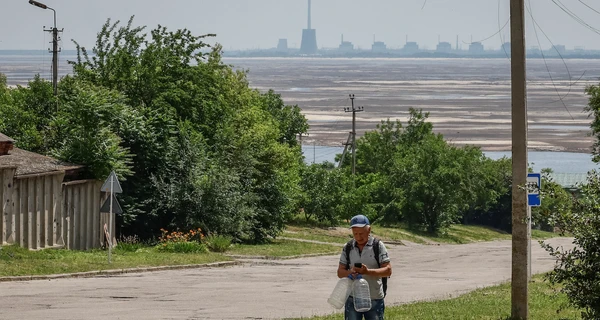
[[55, 50]]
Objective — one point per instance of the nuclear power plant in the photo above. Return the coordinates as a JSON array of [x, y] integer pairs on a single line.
[[309, 36], [381, 49]]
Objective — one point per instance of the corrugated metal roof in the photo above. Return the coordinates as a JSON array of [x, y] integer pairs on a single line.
[[4, 138], [570, 180], [32, 163]]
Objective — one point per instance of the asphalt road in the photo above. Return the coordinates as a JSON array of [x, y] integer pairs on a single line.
[[261, 290]]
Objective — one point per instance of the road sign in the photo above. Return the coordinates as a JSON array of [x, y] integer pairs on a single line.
[[534, 184], [116, 207], [116, 186]]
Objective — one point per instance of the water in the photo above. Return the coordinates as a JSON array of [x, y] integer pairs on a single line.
[[559, 162]]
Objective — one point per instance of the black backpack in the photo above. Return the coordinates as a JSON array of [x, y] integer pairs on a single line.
[[347, 249]]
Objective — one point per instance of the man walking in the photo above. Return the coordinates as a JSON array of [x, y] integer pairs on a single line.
[[375, 268]]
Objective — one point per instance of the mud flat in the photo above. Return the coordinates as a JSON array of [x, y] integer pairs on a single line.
[[468, 99]]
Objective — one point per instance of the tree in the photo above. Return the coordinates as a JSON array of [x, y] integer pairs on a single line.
[[593, 109], [196, 115], [555, 201], [323, 190], [577, 269]]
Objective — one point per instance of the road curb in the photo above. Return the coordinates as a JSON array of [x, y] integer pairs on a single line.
[[112, 272]]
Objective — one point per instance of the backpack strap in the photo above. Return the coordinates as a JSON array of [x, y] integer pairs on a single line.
[[347, 249], [376, 252]]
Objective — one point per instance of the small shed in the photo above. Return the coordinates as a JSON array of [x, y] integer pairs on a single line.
[[46, 203]]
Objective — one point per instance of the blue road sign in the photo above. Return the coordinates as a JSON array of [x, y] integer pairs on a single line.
[[534, 184]]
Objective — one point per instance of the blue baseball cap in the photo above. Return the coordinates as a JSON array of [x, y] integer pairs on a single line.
[[359, 221]]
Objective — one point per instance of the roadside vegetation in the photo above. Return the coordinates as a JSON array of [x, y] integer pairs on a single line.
[[492, 303]]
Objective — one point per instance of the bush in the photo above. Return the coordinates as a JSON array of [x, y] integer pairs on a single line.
[[577, 269], [181, 242], [218, 243], [182, 247]]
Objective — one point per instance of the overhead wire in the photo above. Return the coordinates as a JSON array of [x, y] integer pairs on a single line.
[[499, 30], [585, 4], [337, 103], [571, 84], [574, 16], [535, 25], [500, 33]]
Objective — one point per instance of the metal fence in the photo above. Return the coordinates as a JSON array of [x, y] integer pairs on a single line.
[[41, 211]]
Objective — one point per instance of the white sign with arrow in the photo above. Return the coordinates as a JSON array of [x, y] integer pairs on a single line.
[[111, 205]]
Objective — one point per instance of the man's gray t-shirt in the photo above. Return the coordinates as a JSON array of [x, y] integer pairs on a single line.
[[367, 257]]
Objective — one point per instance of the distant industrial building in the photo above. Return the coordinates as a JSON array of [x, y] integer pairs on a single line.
[[378, 46], [535, 50], [476, 48], [309, 37], [411, 47], [506, 47], [560, 49], [282, 45], [444, 47], [346, 46]]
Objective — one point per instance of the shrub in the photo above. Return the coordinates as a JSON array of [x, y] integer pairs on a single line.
[[182, 247], [181, 242], [577, 268], [218, 243]]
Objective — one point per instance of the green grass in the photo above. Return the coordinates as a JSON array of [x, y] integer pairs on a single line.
[[337, 235], [16, 261], [542, 235], [456, 234], [283, 248], [491, 303]]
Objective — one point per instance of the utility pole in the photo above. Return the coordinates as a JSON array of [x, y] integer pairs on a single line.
[[520, 218], [353, 133], [55, 49]]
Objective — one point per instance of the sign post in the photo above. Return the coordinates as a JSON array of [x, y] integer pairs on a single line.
[[111, 205], [534, 184]]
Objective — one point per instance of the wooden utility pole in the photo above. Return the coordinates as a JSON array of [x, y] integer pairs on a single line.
[[353, 133], [520, 241]]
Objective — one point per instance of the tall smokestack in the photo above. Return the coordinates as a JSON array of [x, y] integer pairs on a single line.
[[309, 14]]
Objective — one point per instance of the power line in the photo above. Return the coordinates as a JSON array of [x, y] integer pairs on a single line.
[[585, 4], [574, 16], [544, 58], [500, 30], [500, 34]]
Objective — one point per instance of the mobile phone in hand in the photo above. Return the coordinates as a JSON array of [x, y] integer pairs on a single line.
[[358, 265]]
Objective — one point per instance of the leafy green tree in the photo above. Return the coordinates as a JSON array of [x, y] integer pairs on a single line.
[[323, 190], [196, 115], [555, 200], [493, 196], [577, 268], [431, 175], [593, 109], [26, 112]]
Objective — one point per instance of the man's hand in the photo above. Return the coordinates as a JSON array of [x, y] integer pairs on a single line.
[[362, 270]]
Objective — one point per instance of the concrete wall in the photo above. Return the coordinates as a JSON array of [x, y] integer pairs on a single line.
[[40, 211]]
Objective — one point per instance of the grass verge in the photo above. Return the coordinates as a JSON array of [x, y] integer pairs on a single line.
[[283, 248], [16, 261], [456, 234], [491, 303]]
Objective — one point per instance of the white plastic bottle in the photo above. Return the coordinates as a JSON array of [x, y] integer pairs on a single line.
[[341, 292], [361, 294]]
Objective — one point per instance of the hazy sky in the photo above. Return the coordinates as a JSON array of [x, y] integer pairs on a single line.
[[246, 24]]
